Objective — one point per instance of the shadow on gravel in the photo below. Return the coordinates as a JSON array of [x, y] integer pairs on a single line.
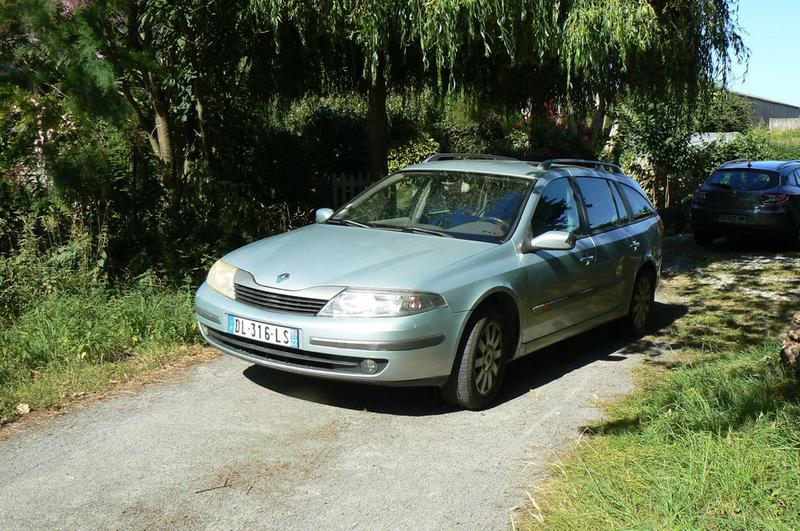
[[533, 371], [682, 255]]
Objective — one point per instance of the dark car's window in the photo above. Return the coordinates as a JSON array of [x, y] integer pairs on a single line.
[[640, 206], [599, 203], [744, 179], [466, 205], [557, 209], [796, 178]]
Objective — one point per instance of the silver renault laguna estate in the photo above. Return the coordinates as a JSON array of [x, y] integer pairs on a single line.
[[441, 274]]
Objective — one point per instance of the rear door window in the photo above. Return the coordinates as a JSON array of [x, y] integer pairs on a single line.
[[744, 179], [640, 206], [795, 178], [599, 203]]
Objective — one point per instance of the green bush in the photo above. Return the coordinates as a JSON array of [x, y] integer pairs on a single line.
[[412, 152]]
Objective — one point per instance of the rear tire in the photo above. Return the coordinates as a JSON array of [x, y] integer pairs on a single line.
[[641, 305], [480, 362], [703, 238]]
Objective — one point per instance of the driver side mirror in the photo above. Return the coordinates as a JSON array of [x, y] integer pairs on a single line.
[[323, 214], [553, 240]]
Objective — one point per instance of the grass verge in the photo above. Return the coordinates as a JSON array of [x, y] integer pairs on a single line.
[[66, 331], [712, 439]]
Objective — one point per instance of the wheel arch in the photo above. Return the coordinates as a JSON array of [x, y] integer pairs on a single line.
[[507, 303], [649, 266]]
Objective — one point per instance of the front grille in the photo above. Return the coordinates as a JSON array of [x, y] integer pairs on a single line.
[[278, 302], [290, 356]]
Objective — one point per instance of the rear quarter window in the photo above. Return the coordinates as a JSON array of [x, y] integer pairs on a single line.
[[640, 206]]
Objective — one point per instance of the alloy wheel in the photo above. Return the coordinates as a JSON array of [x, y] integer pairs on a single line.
[[488, 359]]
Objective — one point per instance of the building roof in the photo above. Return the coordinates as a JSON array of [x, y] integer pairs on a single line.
[[752, 97]]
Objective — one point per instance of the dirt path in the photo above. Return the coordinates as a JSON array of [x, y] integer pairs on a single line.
[[233, 446]]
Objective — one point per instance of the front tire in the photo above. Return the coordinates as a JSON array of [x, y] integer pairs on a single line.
[[641, 305], [480, 362]]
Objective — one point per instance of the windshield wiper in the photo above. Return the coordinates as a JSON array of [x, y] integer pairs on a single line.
[[420, 230], [348, 222], [723, 185]]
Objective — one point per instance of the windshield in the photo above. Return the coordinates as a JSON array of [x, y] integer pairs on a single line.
[[744, 179], [463, 205]]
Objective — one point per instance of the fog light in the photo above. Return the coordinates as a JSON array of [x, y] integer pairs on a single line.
[[369, 366]]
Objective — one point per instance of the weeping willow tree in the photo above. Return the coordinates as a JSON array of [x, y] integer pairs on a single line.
[[177, 67], [578, 55]]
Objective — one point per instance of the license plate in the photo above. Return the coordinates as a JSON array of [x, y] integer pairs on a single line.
[[728, 218], [264, 332]]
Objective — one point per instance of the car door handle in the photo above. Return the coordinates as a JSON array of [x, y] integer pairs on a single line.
[[587, 260], [635, 245]]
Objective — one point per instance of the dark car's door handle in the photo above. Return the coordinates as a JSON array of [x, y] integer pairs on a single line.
[[588, 259], [635, 245]]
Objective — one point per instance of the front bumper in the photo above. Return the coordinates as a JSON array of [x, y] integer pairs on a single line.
[[411, 350], [774, 221]]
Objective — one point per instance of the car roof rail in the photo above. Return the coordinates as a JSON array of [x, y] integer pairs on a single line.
[[594, 164], [466, 156]]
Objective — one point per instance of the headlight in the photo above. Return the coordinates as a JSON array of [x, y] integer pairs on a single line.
[[220, 277], [371, 303]]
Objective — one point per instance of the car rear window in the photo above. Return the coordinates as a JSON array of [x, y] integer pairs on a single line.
[[745, 179]]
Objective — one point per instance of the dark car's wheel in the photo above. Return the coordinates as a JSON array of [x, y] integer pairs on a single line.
[[480, 362], [703, 238], [641, 305]]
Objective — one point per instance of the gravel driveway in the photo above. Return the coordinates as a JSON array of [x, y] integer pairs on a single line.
[[229, 445]]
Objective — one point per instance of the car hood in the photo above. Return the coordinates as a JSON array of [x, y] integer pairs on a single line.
[[333, 255]]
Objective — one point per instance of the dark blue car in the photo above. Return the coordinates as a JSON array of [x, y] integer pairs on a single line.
[[749, 198]]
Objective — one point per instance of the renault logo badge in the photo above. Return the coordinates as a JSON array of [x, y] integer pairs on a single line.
[[282, 277]]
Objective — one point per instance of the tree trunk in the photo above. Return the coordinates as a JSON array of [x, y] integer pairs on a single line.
[[536, 120], [378, 145], [201, 120], [598, 124], [660, 187], [161, 114]]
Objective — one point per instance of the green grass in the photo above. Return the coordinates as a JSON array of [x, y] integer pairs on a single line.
[[712, 438], [76, 343], [66, 330]]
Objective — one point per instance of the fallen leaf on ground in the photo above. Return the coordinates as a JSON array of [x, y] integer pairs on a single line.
[[23, 409]]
